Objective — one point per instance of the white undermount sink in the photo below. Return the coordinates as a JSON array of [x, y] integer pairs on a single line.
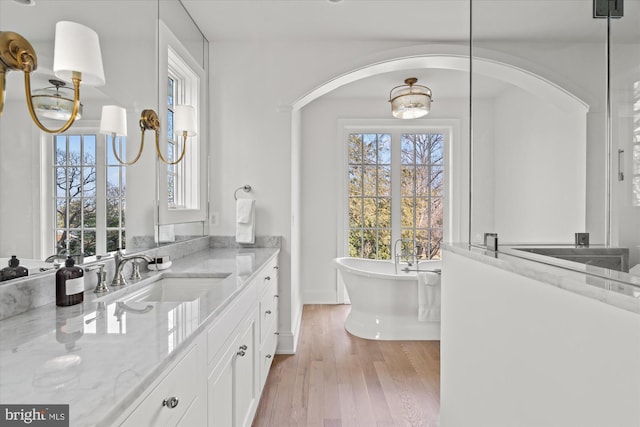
[[178, 289]]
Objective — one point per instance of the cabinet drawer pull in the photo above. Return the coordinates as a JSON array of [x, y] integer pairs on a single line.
[[243, 347], [267, 278], [268, 356], [267, 312], [276, 296], [241, 353], [171, 402], [276, 267], [276, 333]]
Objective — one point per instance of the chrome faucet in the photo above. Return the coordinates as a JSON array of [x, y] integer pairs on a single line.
[[121, 260], [410, 256]]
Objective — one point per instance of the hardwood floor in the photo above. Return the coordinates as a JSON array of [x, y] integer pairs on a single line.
[[338, 380]]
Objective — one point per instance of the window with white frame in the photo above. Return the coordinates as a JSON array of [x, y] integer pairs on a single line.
[[89, 192], [395, 191], [182, 178]]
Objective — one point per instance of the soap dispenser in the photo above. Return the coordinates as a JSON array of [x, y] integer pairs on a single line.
[[69, 284], [14, 270]]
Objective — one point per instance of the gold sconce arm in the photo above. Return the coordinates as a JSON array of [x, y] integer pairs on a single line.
[[16, 54], [115, 151], [184, 149]]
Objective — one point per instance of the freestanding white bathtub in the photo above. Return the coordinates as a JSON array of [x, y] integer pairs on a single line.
[[384, 305]]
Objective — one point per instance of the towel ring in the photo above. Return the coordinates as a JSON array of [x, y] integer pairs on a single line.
[[246, 189]]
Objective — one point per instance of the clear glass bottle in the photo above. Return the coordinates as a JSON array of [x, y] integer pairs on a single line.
[[69, 284]]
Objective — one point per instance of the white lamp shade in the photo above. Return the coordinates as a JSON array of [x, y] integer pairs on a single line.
[[113, 120], [77, 48], [185, 120]]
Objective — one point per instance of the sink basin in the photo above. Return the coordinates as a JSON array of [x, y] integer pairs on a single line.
[[178, 289]]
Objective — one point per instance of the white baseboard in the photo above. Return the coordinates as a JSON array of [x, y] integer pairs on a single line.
[[288, 341]]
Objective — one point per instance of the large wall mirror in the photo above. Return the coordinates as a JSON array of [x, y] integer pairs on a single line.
[[68, 192], [557, 151]]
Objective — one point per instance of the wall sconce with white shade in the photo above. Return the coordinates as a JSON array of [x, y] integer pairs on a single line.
[[410, 101], [185, 125], [114, 122], [77, 57]]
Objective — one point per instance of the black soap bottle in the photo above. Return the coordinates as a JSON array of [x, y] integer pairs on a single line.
[[69, 284], [14, 270]]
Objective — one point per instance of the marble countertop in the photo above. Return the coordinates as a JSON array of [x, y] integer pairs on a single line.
[[99, 359], [609, 287]]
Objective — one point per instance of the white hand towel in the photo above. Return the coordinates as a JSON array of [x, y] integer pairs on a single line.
[[244, 210], [428, 296], [245, 227]]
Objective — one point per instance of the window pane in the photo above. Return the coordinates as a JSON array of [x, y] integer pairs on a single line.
[[423, 180], [61, 182], [113, 181], [406, 215], [89, 149], [369, 244], [422, 212], [437, 148], [355, 148], [436, 241], [384, 181], [407, 145], [370, 149], [437, 178], [636, 159], [89, 243], [369, 220], [369, 180], [422, 244], [355, 180], [113, 212], [407, 234], [407, 176], [61, 150], [170, 125], [170, 92], [384, 244], [384, 213], [75, 154], [90, 212], [437, 215], [61, 213], [122, 215], [112, 240], [384, 149], [355, 243], [355, 212], [75, 213], [89, 181]]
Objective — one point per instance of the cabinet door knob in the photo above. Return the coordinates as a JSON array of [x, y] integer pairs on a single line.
[[171, 402], [267, 312], [267, 278], [268, 356], [241, 353], [243, 347]]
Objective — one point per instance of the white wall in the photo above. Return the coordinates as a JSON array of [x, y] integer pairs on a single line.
[[540, 167], [518, 352]]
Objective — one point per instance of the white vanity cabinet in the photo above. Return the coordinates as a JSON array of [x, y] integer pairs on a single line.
[[269, 302], [218, 382], [176, 399]]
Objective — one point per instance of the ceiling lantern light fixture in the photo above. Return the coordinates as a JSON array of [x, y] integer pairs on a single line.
[[55, 102], [410, 101]]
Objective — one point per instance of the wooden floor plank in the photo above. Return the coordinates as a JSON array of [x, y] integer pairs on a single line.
[[338, 380]]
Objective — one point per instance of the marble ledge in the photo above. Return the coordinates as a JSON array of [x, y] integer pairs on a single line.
[[625, 296]]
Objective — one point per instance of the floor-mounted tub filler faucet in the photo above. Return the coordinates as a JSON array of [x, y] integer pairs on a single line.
[[409, 255], [121, 260]]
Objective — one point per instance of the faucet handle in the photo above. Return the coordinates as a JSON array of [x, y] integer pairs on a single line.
[[135, 271], [101, 287]]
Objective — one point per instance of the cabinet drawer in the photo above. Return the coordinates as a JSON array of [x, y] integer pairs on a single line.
[[269, 311], [228, 321], [171, 398], [267, 353]]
